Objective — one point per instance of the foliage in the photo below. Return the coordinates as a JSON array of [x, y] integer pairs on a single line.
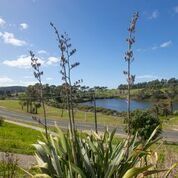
[[97, 156], [30, 99], [154, 91], [2, 97], [1, 121], [154, 84], [102, 110], [162, 109], [144, 123], [8, 166]]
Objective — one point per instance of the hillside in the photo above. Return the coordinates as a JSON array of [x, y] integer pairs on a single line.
[[12, 89]]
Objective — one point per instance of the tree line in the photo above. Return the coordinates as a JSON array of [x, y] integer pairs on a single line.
[[163, 83]]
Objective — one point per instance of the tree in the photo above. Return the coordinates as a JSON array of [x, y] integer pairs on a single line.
[[23, 100], [31, 98], [171, 93], [144, 123], [37, 105]]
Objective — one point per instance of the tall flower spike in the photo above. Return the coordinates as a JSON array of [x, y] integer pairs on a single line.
[[66, 67], [129, 59], [38, 73]]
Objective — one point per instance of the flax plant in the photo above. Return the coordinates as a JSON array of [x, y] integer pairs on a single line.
[[129, 59], [99, 157], [93, 98], [95, 112], [67, 52], [66, 68], [38, 73]]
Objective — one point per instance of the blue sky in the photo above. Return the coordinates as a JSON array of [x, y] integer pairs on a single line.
[[98, 30]]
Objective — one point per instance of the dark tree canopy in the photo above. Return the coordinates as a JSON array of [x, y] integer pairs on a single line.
[[144, 123]]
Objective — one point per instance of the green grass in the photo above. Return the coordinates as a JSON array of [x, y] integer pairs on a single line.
[[11, 169], [17, 139], [55, 113], [171, 122]]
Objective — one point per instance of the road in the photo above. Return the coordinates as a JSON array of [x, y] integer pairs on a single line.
[[168, 135]]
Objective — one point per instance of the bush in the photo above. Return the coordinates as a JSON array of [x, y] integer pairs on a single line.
[[2, 97], [94, 156], [144, 123], [1, 120]]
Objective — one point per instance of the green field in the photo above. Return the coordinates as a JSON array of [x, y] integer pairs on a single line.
[[171, 122], [17, 139], [55, 113], [82, 116]]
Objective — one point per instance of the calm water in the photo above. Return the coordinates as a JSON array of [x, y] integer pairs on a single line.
[[121, 104]]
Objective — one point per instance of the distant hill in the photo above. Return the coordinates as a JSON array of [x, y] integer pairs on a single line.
[[12, 89]]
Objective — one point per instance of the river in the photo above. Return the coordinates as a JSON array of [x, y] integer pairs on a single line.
[[121, 104]]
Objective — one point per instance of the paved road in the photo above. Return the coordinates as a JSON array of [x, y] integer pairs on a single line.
[[169, 135]]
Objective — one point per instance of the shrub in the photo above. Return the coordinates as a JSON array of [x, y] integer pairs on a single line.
[[144, 123], [95, 156], [2, 97], [1, 120]]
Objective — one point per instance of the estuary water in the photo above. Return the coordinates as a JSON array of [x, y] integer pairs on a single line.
[[121, 104]]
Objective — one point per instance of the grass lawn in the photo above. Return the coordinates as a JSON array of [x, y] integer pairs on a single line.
[[17, 139], [171, 122], [55, 113]]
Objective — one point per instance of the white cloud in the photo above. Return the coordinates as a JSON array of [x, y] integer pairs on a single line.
[[23, 26], [155, 47], [23, 62], [9, 38], [166, 44], [52, 60], [42, 52], [154, 14], [2, 22]]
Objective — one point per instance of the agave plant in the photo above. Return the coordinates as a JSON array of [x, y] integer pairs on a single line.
[[97, 156]]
